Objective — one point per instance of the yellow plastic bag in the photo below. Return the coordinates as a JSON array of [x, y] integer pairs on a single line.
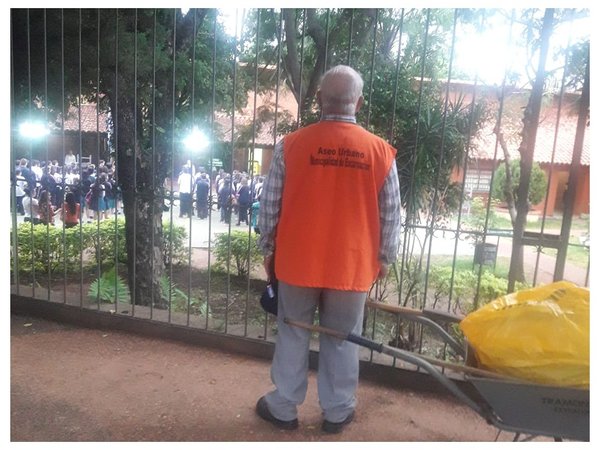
[[540, 335]]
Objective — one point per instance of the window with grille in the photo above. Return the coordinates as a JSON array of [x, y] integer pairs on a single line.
[[478, 181]]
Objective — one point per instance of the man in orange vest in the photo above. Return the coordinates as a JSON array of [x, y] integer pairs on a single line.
[[330, 212]]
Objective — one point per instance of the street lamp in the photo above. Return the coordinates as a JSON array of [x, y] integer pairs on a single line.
[[33, 130], [196, 141]]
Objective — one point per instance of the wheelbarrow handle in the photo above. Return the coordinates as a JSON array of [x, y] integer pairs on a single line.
[[404, 355], [420, 317], [434, 314]]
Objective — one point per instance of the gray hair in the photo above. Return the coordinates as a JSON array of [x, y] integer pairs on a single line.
[[341, 87]]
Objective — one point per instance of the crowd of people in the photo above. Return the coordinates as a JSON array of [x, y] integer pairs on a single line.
[[45, 190], [235, 193], [73, 192]]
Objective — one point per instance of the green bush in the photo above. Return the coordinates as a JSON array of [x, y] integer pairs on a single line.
[[537, 184], [178, 236], [41, 248], [104, 238], [240, 251], [464, 287]]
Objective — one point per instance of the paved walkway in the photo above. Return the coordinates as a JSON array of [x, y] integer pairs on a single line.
[[76, 384]]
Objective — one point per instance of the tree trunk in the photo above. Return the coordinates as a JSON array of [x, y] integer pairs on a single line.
[[531, 119], [142, 207], [508, 182], [143, 218]]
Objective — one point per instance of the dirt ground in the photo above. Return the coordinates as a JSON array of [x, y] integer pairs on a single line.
[[78, 384]]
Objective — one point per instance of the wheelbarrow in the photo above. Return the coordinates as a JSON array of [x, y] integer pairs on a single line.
[[526, 409]]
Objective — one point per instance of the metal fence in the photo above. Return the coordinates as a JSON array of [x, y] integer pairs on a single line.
[[147, 102]]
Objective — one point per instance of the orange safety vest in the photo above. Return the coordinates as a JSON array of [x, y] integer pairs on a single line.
[[328, 233]]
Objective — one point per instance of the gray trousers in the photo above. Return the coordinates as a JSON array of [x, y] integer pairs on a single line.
[[337, 377]]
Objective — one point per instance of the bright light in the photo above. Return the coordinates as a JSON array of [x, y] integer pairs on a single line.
[[33, 130], [196, 140]]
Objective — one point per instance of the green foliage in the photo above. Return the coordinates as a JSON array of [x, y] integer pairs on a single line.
[[464, 288], [478, 215], [105, 241], [179, 299], [537, 185], [109, 287], [241, 251], [174, 244], [42, 248]]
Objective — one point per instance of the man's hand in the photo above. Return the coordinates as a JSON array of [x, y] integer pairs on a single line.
[[267, 265], [383, 271]]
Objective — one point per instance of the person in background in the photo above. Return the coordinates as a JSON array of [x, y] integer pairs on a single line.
[[70, 158], [330, 220], [202, 192], [244, 201], [46, 211], [29, 176], [226, 196], [71, 211], [97, 198], [185, 182], [20, 184], [30, 207]]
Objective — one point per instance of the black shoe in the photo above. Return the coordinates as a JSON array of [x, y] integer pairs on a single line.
[[337, 427], [263, 411]]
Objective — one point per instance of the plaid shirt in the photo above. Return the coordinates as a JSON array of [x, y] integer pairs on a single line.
[[270, 204]]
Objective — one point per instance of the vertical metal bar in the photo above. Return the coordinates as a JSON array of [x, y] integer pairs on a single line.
[[301, 98], [326, 39], [97, 240], [152, 238], [372, 68], [350, 32], [391, 141], [280, 40], [489, 201], [136, 154], [13, 196], [80, 169], [99, 262], [251, 174], [62, 127], [235, 55], [464, 177], [574, 174], [410, 214], [172, 159], [554, 143], [378, 283], [30, 149], [46, 168], [393, 121], [192, 184], [116, 141], [431, 230], [526, 160], [212, 130]]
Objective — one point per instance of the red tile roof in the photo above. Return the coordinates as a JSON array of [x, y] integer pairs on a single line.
[[92, 120], [544, 145]]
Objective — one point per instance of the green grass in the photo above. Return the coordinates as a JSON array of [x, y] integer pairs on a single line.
[[577, 254], [466, 263], [552, 224]]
